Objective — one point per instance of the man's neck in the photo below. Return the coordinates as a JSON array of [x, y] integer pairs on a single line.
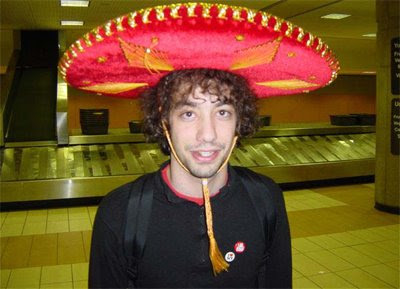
[[189, 185]]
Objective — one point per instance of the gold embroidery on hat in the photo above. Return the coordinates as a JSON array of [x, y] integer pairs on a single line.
[[113, 87], [289, 29], [118, 23], [206, 11], [278, 25], [175, 11], [250, 15], [190, 9], [237, 14], [310, 40], [96, 33], [79, 45], [222, 11], [312, 77], [264, 19], [101, 59], [288, 84], [256, 55], [107, 28], [146, 57], [87, 40], [300, 35], [72, 51], [132, 19], [145, 17], [160, 13], [291, 54], [319, 46], [239, 37], [86, 81]]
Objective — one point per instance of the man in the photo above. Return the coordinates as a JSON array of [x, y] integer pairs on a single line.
[[197, 222], [203, 110]]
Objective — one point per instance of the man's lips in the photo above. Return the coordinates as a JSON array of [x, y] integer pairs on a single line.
[[205, 155]]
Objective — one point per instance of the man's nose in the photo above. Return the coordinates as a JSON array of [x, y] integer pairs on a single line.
[[207, 130]]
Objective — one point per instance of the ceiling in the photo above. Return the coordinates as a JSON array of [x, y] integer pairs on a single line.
[[355, 51]]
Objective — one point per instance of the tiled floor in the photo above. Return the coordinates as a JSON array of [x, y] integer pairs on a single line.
[[339, 241]]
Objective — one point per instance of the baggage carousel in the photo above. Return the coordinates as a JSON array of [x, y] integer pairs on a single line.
[[91, 166]]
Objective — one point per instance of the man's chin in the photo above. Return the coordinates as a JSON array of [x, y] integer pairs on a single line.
[[204, 171]]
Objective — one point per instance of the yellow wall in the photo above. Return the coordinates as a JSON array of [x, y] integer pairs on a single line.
[[121, 111], [9, 42], [348, 94]]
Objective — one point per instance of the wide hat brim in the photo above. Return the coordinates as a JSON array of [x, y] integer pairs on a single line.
[[132, 52]]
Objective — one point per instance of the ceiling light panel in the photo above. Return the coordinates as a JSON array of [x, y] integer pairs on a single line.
[[335, 16], [71, 23], [74, 3]]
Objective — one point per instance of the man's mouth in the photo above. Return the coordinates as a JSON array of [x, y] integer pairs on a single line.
[[205, 156]]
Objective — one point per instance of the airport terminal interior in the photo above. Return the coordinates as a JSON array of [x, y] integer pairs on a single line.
[[333, 151]]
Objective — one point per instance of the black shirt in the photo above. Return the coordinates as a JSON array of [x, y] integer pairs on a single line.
[[176, 252]]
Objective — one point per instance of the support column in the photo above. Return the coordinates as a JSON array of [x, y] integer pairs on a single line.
[[387, 174]]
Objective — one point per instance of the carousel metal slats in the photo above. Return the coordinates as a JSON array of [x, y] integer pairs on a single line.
[[149, 164], [303, 153], [26, 165], [133, 166], [97, 165], [297, 154], [284, 151], [357, 148], [85, 161], [61, 171], [344, 147], [334, 147], [367, 144], [275, 157], [311, 150], [51, 163], [78, 161], [321, 145], [43, 162], [8, 166], [114, 161], [233, 161], [244, 160], [258, 156]]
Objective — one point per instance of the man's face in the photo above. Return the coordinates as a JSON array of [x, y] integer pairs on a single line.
[[202, 129]]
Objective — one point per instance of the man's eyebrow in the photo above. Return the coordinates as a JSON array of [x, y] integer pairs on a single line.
[[180, 104], [221, 103]]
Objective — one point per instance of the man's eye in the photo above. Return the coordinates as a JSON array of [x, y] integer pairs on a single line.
[[224, 113], [187, 114]]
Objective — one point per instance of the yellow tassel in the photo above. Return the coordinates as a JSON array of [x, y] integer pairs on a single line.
[[217, 260]]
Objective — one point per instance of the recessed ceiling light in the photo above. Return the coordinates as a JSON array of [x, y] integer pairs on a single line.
[[335, 16], [74, 3], [71, 23], [370, 35]]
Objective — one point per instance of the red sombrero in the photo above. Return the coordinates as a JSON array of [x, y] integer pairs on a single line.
[[132, 52]]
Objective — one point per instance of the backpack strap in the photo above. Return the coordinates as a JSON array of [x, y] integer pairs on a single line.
[[137, 220], [262, 201]]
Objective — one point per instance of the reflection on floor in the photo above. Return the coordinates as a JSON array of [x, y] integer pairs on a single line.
[[339, 241]]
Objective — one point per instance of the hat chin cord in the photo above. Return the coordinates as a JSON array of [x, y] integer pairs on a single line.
[[217, 260]]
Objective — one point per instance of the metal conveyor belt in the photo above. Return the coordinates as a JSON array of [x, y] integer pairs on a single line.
[[92, 170]]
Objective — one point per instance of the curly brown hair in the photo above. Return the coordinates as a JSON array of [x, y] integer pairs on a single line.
[[177, 86]]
